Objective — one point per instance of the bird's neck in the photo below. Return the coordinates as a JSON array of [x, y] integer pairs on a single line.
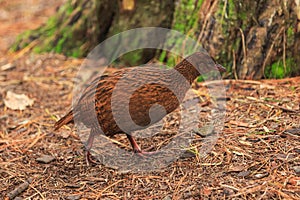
[[187, 70]]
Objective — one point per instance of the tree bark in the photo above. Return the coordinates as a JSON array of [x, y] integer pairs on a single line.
[[255, 37], [80, 25]]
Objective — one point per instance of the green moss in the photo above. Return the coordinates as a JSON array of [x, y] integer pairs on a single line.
[[37, 50], [171, 61], [293, 88], [186, 16], [51, 26], [162, 56], [69, 10], [278, 70], [185, 21], [76, 53], [290, 35], [58, 48], [20, 42], [200, 79], [132, 57]]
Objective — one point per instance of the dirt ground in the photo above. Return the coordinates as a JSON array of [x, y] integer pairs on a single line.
[[257, 155]]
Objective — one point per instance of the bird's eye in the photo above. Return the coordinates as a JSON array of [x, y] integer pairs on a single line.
[[214, 60]]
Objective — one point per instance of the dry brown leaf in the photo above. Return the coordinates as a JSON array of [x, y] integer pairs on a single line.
[[17, 101], [295, 181], [236, 168], [241, 124]]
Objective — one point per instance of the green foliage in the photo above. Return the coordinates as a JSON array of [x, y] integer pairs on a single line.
[[210, 75], [132, 57], [54, 36], [262, 132], [37, 50], [186, 16], [58, 48], [76, 53], [51, 26], [185, 21], [290, 35], [20, 43], [201, 78], [278, 70]]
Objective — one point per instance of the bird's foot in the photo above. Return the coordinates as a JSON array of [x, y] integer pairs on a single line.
[[145, 154], [88, 158]]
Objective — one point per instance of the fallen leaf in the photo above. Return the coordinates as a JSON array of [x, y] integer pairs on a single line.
[[266, 129], [17, 101], [8, 66], [295, 181], [245, 143], [236, 168], [206, 191], [45, 159], [240, 124]]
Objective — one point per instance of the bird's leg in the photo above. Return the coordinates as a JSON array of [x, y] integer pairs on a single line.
[[88, 146], [136, 147]]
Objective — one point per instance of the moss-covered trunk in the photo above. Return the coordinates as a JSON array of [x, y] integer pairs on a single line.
[[257, 38], [80, 25], [252, 38], [74, 30]]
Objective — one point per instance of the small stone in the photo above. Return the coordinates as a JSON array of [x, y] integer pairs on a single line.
[[45, 159], [167, 198], [261, 175], [18, 198], [228, 191], [204, 131], [187, 154], [297, 169], [244, 174], [73, 197]]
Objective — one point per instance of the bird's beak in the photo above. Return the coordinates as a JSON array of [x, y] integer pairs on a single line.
[[220, 68]]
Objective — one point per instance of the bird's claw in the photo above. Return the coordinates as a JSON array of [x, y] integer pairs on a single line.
[[88, 158]]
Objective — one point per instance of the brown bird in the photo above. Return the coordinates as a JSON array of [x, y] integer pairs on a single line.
[[134, 98]]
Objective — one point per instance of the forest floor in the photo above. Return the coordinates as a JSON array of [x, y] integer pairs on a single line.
[[257, 155]]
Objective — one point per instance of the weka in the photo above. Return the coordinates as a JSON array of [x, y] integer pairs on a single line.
[[139, 91]]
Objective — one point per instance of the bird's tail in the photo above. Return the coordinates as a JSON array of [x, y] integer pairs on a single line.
[[68, 118]]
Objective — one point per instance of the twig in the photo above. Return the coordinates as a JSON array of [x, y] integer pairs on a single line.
[[284, 52], [176, 195], [234, 66], [244, 44], [230, 187], [101, 192], [42, 196], [270, 50], [19, 189], [273, 105], [207, 16]]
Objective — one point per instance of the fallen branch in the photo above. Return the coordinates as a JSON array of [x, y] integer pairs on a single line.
[[19, 189]]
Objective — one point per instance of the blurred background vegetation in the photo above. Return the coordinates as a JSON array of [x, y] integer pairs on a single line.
[[253, 39]]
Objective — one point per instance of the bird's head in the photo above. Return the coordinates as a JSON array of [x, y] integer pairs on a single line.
[[204, 63]]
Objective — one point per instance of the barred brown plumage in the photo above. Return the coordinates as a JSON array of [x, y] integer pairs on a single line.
[[102, 106]]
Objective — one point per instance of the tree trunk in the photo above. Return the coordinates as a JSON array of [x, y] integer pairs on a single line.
[[253, 38], [80, 25], [257, 38]]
